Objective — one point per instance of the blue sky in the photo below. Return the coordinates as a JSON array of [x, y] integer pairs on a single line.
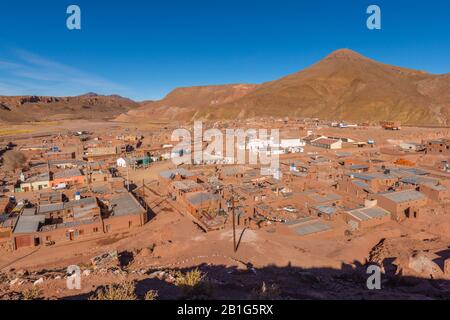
[[144, 49]]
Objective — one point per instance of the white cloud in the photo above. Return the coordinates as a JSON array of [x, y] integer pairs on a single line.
[[27, 73]]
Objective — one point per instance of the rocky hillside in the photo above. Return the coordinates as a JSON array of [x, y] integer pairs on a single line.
[[89, 106]]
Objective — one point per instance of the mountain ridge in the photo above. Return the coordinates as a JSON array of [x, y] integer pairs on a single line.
[[345, 85]]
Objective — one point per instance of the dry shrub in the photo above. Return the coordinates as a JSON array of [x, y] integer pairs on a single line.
[[125, 290], [194, 284], [34, 293], [151, 295], [271, 292], [13, 160]]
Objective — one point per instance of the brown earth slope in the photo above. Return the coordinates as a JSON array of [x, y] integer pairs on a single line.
[[188, 103], [89, 106], [345, 85]]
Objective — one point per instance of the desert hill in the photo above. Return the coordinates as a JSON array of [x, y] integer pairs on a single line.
[[188, 103], [88, 106], [343, 86]]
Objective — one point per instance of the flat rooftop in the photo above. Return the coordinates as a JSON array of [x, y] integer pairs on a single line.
[[365, 214], [28, 224], [404, 196]]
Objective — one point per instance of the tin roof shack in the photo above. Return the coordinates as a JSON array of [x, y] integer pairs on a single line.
[[6, 227], [440, 147], [179, 189], [71, 177], [313, 198], [166, 177], [233, 172], [67, 164], [56, 156], [368, 216], [70, 221], [125, 212], [25, 232], [34, 151], [325, 212], [306, 226], [101, 153], [36, 182], [50, 197], [435, 191], [204, 206], [402, 204], [362, 185]]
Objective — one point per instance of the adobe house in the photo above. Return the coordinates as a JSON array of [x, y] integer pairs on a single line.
[[435, 191], [50, 197], [202, 201], [179, 189], [125, 212], [25, 233], [62, 219], [6, 227], [176, 175], [363, 184], [402, 204], [37, 182], [69, 176], [368, 216], [441, 147], [320, 197], [327, 143], [98, 176], [55, 156]]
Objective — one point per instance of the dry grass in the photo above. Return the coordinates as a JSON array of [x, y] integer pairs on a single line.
[[267, 292], [125, 290], [194, 284], [34, 293], [9, 132], [151, 295]]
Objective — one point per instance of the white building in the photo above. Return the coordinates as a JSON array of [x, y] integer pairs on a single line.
[[292, 143], [121, 163]]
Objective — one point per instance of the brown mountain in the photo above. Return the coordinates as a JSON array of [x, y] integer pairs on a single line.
[[88, 106], [188, 103], [343, 86]]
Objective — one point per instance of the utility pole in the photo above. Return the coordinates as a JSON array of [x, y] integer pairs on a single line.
[[231, 206], [128, 175]]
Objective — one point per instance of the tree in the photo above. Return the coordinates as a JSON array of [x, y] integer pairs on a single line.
[[13, 160]]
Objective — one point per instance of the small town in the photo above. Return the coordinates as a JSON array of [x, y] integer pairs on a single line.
[[336, 183], [224, 158]]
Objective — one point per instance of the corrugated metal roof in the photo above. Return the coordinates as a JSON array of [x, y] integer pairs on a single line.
[[363, 185], [364, 214], [67, 173], [404, 196], [125, 204], [311, 228], [29, 224], [169, 174], [326, 209], [197, 198]]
